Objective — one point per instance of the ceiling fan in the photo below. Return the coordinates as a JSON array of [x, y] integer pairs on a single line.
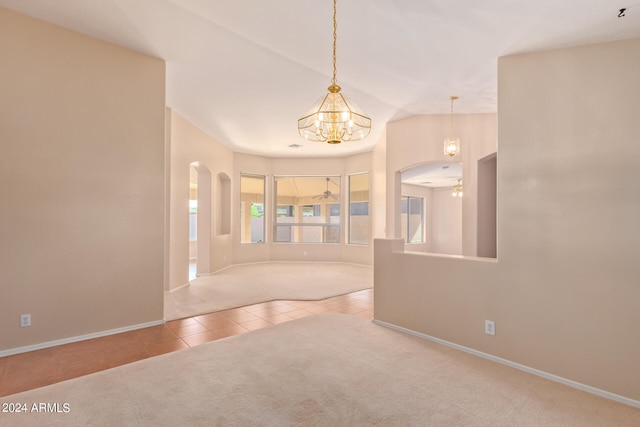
[[326, 194]]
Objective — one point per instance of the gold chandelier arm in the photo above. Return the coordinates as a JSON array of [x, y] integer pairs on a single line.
[[322, 136]]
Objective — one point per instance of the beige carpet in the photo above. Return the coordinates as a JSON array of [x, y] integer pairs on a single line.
[[324, 370], [248, 284]]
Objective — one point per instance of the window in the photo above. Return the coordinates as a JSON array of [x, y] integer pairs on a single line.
[[307, 209], [311, 210], [285, 211], [412, 219], [359, 209], [252, 209]]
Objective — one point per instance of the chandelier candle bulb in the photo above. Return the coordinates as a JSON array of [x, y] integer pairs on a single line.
[[457, 190]]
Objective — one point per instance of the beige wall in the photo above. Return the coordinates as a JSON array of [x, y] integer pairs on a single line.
[[564, 292], [81, 184], [446, 222], [378, 189]]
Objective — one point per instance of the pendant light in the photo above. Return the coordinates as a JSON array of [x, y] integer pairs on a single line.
[[457, 190], [334, 117], [452, 143]]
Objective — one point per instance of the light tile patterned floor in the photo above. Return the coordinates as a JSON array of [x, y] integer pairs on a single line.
[[35, 369]]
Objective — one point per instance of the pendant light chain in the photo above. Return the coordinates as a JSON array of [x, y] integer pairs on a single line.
[[452, 98], [335, 41]]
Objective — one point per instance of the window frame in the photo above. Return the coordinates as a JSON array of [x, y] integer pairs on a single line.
[[406, 227]]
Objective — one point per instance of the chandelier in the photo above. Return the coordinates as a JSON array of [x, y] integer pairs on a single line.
[[457, 190], [334, 117], [452, 143]]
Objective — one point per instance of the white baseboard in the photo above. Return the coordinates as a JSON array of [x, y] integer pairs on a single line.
[[179, 287], [63, 341], [565, 381]]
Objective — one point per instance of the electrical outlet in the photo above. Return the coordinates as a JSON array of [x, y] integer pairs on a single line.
[[25, 320], [489, 327]]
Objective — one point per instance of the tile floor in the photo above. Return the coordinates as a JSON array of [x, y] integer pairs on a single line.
[[38, 368]]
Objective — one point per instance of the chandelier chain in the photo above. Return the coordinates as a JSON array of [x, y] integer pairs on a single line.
[[335, 40]]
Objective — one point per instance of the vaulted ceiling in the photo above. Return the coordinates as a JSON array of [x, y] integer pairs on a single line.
[[244, 71]]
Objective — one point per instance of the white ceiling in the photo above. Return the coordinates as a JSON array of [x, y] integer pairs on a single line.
[[433, 175], [245, 71]]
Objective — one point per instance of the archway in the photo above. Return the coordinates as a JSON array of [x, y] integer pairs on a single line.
[[430, 218]]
